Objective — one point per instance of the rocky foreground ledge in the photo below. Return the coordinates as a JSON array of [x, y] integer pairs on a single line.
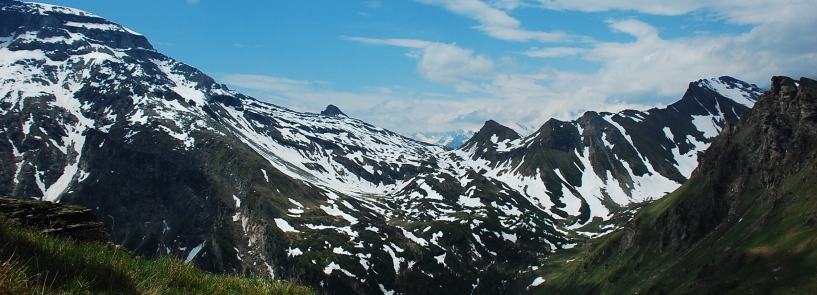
[[57, 220]]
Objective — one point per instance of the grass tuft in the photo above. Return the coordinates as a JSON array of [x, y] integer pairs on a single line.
[[33, 263]]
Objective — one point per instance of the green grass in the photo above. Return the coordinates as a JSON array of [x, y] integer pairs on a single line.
[[767, 246], [32, 263]]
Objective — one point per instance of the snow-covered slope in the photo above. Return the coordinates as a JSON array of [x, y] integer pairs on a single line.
[[178, 164], [602, 161]]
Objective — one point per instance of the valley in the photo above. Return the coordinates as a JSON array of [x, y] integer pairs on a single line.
[[173, 163]]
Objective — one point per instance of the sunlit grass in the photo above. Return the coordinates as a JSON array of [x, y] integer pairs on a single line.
[[32, 263]]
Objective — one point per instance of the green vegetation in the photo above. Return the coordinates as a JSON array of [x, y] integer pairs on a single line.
[[770, 248], [33, 263], [744, 223]]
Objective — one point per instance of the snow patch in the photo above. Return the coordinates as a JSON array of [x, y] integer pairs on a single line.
[[706, 124], [470, 202], [335, 211], [193, 253], [284, 225], [237, 201], [294, 252], [536, 282], [265, 174], [441, 258], [395, 259], [411, 236], [385, 292]]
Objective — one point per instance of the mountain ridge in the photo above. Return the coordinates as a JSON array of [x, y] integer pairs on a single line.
[[742, 224]]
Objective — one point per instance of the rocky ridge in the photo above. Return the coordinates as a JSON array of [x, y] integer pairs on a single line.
[[743, 223]]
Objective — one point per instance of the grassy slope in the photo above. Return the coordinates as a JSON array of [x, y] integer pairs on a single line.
[[32, 263], [766, 245], [759, 252]]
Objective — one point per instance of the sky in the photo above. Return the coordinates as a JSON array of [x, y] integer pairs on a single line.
[[444, 65]]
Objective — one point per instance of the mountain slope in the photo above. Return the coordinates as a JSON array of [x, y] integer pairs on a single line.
[[177, 164], [743, 224], [600, 161]]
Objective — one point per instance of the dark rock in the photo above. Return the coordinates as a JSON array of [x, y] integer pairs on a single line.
[[490, 133], [775, 151], [229, 101], [503, 133], [60, 221], [332, 110]]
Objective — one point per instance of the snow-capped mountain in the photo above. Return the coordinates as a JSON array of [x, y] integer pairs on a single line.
[[753, 189], [176, 164], [453, 139]]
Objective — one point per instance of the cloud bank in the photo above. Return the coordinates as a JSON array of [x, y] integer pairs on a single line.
[[633, 74]]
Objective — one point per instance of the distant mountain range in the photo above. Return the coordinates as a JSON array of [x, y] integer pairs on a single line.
[[176, 164], [451, 140]]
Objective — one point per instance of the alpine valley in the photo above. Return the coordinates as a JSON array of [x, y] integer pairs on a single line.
[[175, 164]]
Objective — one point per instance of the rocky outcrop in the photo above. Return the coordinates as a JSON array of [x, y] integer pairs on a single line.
[[60, 221], [783, 121], [742, 223], [332, 111]]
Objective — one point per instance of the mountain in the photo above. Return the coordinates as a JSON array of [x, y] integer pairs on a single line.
[[176, 164], [742, 224], [452, 139]]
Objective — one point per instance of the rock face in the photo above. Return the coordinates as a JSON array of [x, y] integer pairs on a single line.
[[68, 222], [784, 128], [743, 223]]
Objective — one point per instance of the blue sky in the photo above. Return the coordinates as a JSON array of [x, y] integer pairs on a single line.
[[442, 65]]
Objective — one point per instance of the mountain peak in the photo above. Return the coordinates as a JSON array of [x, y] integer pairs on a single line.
[[783, 85], [491, 132], [332, 111], [502, 132], [722, 97], [61, 25]]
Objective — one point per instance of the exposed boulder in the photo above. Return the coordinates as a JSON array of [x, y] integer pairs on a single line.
[[57, 220]]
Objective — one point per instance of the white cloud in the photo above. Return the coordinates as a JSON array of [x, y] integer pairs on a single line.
[[507, 4], [553, 51], [508, 99], [440, 62], [661, 7], [634, 27], [737, 11], [266, 83], [497, 23], [448, 63], [390, 107], [653, 65], [635, 74], [641, 73], [411, 43]]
